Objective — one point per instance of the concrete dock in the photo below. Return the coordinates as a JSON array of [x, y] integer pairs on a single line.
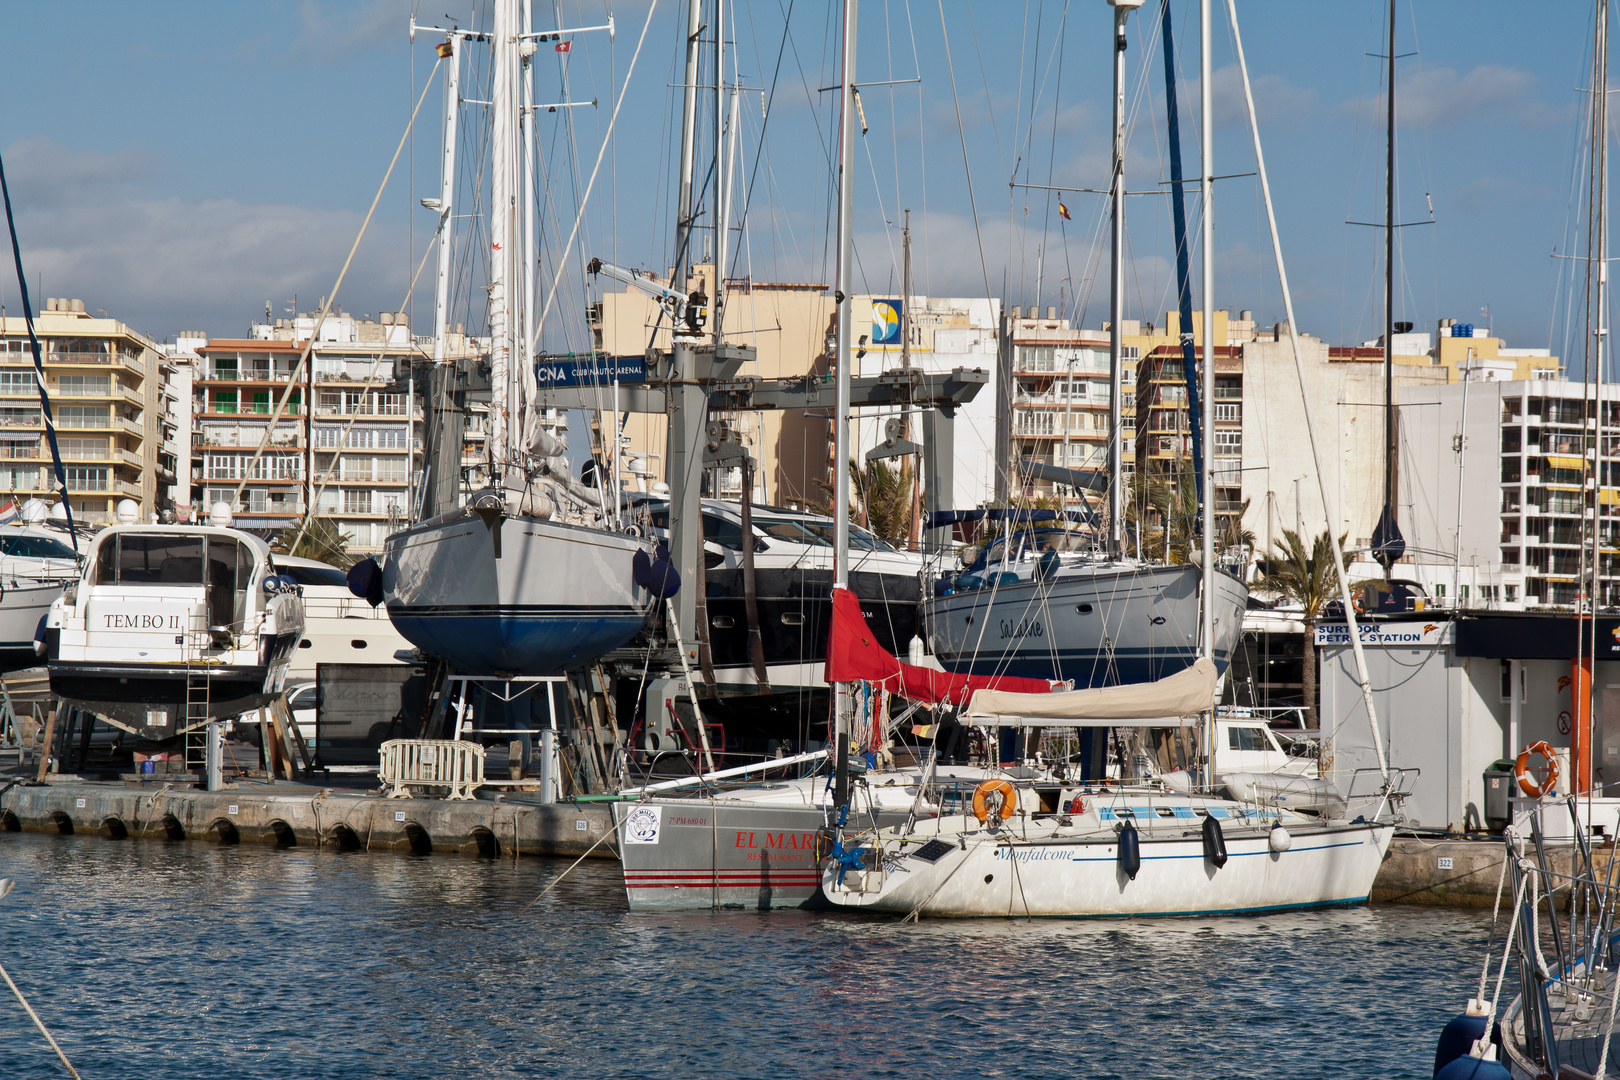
[[288, 814]]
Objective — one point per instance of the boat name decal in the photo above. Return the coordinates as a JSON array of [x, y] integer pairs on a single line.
[[115, 621], [785, 841], [1024, 628], [1062, 853]]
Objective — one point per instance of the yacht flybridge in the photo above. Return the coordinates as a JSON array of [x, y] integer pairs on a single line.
[[171, 625]]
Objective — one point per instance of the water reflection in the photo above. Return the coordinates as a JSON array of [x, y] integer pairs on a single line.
[[193, 960]]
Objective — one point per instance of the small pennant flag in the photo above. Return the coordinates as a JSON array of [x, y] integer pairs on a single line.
[[565, 46], [444, 50], [1063, 210]]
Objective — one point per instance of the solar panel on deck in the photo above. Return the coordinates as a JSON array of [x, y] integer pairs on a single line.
[[932, 851]]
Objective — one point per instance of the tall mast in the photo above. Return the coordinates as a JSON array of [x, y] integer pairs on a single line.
[[1387, 544], [718, 310], [1116, 290], [1206, 185], [684, 210], [843, 360], [503, 196], [447, 189]]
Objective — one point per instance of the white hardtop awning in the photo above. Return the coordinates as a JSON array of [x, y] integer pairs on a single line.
[[1170, 702]]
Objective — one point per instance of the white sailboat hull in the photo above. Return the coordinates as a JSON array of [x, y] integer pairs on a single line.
[[1004, 876], [512, 595]]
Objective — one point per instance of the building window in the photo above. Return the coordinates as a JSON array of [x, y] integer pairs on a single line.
[[1036, 358], [83, 416], [86, 478], [83, 449], [1544, 373], [225, 401], [84, 385], [15, 478], [1228, 413], [18, 382], [1228, 443], [19, 417], [357, 502], [1130, 352]]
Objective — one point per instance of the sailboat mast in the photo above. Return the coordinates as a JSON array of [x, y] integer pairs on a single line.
[[526, 122], [689, 94], [841, 294], [721, 189], [842, 360], [502, 202], [1389, 287], [1206, 186], [447, 189], [1116, 291]]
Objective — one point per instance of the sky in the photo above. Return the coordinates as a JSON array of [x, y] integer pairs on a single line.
[[181, 166]]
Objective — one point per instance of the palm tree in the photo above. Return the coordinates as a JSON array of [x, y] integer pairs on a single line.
[[883, 494], [1310, 579], [321, 540]]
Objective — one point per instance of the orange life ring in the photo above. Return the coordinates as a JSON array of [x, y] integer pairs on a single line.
[[1521, 771], [1004, 791]]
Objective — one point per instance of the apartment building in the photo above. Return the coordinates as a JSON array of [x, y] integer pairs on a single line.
[[1532, 460], [108, 397], [348, 438]]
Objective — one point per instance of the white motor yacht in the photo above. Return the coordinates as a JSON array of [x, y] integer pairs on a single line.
[[171, 625]]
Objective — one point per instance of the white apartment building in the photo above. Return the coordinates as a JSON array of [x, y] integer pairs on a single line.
[[348, 440], [1526, 458]]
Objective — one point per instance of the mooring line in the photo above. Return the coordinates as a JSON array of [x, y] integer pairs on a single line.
[[564, 874], [40, 1024]]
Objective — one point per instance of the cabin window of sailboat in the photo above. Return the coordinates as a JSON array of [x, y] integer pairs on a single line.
[[219, 564]]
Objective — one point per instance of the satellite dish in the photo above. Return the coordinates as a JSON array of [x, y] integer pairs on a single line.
[[128, 512], [220, 515], [58, 512], [34, 511]]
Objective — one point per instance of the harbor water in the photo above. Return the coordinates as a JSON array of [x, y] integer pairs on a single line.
[[185, 960]]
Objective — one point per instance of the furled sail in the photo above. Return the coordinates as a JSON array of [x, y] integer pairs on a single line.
[[1164, 703]]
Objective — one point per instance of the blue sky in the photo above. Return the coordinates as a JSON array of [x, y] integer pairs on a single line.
[[180, 165]]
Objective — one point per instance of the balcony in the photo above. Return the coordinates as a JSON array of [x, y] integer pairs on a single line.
[[71, 357]]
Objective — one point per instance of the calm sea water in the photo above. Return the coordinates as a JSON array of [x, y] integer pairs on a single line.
[[185, 960]]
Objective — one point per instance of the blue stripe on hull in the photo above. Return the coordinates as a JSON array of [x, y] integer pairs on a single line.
[[528, 644], [1086, 668]]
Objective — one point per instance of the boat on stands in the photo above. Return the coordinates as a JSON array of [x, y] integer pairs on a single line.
[[1028, 607], [530, 576], [170, 626]]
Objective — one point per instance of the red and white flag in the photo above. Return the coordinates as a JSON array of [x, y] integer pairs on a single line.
[[565, 46]]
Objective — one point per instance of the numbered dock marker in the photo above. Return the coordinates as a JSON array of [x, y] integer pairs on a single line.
[[1445, 863], [231, 809], [399, 815], [580, 826], [79, 803]]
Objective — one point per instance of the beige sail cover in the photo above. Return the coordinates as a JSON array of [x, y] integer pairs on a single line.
[[1155, 704]]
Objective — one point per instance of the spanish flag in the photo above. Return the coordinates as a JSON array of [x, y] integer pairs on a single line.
[[444, 49], [1064, 211]]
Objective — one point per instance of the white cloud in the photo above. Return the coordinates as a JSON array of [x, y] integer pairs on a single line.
[[164, 263], [1439, 97]]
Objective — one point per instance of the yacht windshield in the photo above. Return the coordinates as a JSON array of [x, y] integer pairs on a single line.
[[35, 547]]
